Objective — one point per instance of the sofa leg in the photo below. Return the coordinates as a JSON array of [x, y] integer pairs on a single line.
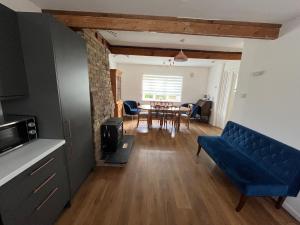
[[242, 202], [279, 202], [199, 150]]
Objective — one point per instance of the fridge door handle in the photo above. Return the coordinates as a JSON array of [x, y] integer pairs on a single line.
[[69, 129], [69, 139]]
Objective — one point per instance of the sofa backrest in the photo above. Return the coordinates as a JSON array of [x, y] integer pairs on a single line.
[[279, 159]]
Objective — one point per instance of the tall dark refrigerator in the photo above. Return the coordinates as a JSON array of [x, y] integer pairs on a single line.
[[57, 75]]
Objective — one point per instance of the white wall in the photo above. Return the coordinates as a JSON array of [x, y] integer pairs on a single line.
[[194, 80], [272, 102], [21, 5]]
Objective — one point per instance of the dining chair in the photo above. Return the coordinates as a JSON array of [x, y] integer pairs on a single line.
[[143, 115], [195, 109], [156, 113], [177, 119], [186, 116], [169, 116], [131, 108]]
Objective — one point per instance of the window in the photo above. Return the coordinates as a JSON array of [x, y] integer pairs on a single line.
[[162, 88]]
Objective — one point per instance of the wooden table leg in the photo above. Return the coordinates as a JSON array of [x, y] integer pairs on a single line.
[[179, 121], [150, 118]]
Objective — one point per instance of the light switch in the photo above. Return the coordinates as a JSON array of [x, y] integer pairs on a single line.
[[244, 95], [258, 73]]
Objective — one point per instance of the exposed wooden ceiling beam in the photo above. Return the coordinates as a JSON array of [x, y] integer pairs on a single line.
[[162, 52], [172, 25]]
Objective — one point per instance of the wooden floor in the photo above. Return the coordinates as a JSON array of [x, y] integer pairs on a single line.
[[165, 184]]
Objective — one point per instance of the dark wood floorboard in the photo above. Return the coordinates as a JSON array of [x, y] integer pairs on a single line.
[[164, 183]]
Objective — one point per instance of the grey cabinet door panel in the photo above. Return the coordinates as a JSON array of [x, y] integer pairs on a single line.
[[12, 70], [56, 62], [43, 99], [73, 83]]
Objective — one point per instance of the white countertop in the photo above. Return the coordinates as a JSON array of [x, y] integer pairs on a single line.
[[17, 161]]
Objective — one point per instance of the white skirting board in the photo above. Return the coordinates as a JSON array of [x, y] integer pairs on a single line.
[[291, 211]]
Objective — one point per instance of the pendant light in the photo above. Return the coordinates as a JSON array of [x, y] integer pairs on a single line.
[[181, 57]]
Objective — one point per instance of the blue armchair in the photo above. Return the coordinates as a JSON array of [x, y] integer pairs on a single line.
[[131, 108]]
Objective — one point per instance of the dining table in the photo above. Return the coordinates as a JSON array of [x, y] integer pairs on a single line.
[[164, 109]]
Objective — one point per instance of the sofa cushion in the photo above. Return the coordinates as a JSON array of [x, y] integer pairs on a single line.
[[213, 144], [250, 178]]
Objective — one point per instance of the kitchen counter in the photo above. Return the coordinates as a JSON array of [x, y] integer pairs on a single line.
[[17, 161]]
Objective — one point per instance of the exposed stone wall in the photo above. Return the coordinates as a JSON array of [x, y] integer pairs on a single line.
[[100, 85]]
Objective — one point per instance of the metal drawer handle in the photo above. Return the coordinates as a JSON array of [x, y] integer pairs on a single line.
[[47, 199], [42, 166], [44, 183]]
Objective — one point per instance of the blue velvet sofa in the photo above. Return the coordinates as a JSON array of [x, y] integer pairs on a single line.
[[256, 164]]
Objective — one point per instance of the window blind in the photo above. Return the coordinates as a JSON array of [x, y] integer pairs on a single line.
[[162, 87]]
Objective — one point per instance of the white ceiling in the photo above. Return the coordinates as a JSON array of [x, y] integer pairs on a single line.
[[163, 40], [162, 61], [273, 11]]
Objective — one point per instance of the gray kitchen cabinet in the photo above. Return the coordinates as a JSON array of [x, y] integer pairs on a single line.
[[57, 72], [13, 82], [38, 195]]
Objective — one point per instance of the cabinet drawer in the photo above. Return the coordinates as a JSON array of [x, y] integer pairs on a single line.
[[30, 183], [51, 198], [39, 194], [49, 209]]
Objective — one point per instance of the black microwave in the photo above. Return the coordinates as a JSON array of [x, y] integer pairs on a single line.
[[15, 131]]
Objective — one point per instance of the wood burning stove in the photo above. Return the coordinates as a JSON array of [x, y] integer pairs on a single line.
[[115, 146], [111, 134]]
